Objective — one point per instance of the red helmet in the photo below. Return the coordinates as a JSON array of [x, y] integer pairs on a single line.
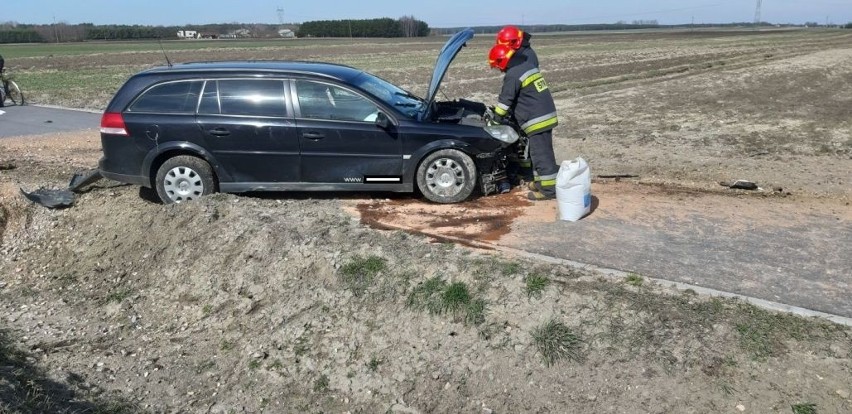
[[510, 35], [499, 56]]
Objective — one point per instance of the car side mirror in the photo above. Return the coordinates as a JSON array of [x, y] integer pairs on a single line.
[[382, 120]]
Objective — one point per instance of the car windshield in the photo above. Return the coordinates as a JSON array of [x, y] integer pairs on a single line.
[[390, 94]]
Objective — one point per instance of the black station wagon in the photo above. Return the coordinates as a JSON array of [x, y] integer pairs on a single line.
[[196, 128]]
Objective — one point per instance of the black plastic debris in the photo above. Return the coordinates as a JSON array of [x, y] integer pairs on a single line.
[[50, 198], [82, 179], [55, 198], [741, 185]]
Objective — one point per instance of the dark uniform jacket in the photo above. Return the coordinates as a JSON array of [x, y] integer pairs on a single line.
[[527, 51], [525, 94]]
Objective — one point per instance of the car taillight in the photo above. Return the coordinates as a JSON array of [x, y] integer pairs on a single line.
[[113, 123]]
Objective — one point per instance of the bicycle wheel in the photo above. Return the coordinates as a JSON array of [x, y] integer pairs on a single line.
[[15, 94]]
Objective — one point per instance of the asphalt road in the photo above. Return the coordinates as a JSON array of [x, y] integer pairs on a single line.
[[775, 250], [35, 120]]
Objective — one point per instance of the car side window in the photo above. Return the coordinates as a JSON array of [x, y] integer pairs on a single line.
[[171, 97], [325, 101], [251, 97]]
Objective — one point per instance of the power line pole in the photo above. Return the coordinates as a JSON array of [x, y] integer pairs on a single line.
[[55, 31], [757, 14]]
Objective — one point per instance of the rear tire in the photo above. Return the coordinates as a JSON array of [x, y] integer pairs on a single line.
[[446, 176], [15, 94], [184, 178]]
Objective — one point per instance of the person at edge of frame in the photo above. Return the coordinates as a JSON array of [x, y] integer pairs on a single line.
[[3, 92]]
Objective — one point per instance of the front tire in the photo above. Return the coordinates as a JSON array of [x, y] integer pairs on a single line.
[[184, 178], [446, 176], [15, 94]]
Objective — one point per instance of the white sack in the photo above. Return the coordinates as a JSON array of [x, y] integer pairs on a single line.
[[574, 189]]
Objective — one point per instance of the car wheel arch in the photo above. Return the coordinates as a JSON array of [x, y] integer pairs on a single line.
[[156, 158], [421, 153]]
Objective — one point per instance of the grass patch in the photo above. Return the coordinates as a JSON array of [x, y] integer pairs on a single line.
[[762, 333], [804, 408], [321, 383], [634, 280], [275, 365], [637, 324], [358, 274], [427, 296], [118, 296], [374, 363], [535, 285], [510, 268], [455, 297], [437, 297], [302, 346], [555, 342], [205, 366]]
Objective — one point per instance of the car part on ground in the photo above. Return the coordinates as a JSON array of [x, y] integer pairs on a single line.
[[59, 198], [50, 198]]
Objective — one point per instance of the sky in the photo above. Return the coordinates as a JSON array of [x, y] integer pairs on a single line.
[[437, 13]]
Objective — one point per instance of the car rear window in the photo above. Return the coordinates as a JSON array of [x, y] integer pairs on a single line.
[[251, 97], [171, 97]]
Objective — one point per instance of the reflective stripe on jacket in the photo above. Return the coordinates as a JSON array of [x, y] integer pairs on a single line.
[[527, 96]]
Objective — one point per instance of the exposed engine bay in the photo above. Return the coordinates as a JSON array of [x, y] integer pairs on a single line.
[[461, 111]]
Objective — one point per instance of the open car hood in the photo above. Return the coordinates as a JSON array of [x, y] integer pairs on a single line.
[[448, 53]]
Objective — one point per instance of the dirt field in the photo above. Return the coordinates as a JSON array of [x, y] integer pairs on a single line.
[[294, 303]]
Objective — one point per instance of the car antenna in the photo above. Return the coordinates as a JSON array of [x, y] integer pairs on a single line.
[[160, 41]]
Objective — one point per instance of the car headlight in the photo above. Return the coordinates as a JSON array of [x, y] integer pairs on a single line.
[[503, 133]]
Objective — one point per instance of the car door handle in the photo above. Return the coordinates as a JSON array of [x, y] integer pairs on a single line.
[[313, 135], [219, 132]]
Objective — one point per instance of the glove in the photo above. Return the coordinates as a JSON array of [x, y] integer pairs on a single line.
[[491, 117]]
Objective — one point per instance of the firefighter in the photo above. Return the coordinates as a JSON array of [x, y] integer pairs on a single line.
[[525, 96], [519, 40]]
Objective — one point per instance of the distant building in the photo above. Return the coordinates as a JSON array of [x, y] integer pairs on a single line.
[[242, 33], [187, 34], [286, 33]]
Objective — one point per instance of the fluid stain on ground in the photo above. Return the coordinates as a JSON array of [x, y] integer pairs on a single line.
[[483, 219]]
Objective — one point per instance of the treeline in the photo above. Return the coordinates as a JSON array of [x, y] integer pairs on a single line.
[[406, 26], [61, 32], [122, 32], [20, 36]]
